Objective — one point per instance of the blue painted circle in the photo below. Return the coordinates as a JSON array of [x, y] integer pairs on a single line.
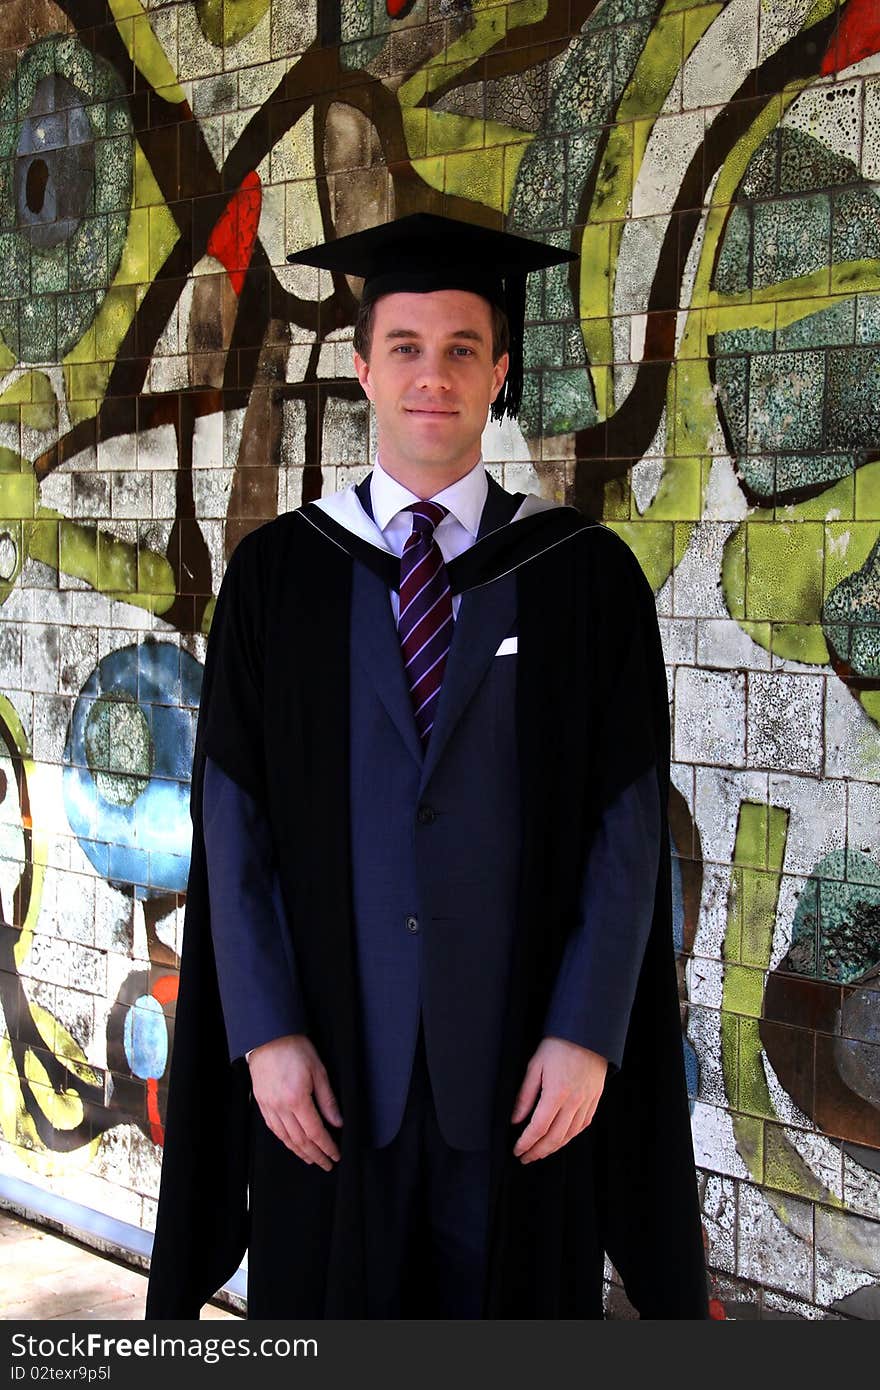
[[139, 841], [146, 1038]]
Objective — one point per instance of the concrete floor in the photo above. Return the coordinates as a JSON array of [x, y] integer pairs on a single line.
[[47, 1276]]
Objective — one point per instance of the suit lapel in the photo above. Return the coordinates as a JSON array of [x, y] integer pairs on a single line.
[[484, 619], [376, 645]]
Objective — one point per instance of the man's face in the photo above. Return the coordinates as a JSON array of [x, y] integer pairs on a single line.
[[431, 379]]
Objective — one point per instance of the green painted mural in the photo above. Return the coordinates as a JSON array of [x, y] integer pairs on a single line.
[[704, 379]]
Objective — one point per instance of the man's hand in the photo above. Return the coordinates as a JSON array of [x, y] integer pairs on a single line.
[[284, 1075], [570, 1079]]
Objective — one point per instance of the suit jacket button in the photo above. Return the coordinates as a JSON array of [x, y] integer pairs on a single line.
[[412, 924], [426, 815]]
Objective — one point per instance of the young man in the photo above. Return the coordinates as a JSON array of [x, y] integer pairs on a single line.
[[429, 900]]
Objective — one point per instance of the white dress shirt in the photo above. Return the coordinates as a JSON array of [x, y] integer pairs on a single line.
[[454, 534]]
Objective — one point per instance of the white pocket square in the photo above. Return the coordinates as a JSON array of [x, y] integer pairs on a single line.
[[507, 647]]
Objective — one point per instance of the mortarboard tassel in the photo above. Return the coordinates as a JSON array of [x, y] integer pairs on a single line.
[[508, 400]]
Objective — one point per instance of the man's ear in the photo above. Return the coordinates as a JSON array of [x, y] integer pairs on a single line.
[[499, 372], [362, 367]]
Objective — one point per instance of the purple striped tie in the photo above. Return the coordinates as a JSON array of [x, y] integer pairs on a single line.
[[425, 621]]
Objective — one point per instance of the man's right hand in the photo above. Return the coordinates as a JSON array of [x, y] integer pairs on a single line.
[[285, 1074]]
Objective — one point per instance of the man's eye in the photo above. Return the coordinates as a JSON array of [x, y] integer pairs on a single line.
[[405, 348], [463, 351]]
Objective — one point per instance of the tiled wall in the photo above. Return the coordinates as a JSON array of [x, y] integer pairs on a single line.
[[707, 380]]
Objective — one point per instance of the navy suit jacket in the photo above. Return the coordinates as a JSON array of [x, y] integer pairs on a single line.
[[433, 862]]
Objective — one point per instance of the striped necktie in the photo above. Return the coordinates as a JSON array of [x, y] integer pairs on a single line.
[[425, 620]]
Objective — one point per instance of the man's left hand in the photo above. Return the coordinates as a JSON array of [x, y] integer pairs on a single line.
[[569, 1079]]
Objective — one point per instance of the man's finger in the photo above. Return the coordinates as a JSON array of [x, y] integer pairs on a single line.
[[552, 1140], [305, 1147], [289, 1134], [308, 1117], [582, 1117], [528, 1092], [286, 1127], [274, 1125], [327, 1102], [539, 1124]]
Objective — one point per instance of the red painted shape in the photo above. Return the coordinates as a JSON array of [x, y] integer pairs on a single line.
[[157, 1129], [716, 1310], [232, 240], [165, 989], [398, 8], [856, 37]]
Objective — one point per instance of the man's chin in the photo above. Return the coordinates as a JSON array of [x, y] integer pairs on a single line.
[[435, 442]]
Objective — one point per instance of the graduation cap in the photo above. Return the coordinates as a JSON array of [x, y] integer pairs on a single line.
[[424, 252]]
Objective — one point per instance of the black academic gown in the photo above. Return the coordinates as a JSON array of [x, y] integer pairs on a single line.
[[592, 715]]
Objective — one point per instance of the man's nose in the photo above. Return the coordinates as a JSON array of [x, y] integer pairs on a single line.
[[433, 371]]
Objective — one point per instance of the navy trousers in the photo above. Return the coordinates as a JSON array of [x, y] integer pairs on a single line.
[[426, 1230], [428, 1203]]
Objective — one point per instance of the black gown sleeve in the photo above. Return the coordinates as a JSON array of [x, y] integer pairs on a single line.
[[596, 983], [256, 971]]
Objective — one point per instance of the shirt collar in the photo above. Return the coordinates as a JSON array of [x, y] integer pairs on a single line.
[[465, 499]]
